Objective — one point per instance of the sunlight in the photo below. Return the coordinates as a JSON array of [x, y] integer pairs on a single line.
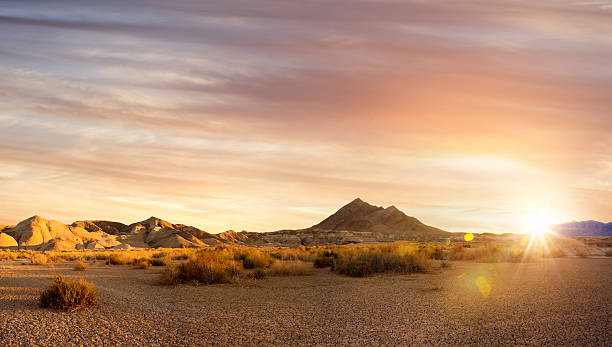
[[538, 222]]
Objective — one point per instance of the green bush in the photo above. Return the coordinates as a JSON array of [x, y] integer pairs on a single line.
[[69, 295]]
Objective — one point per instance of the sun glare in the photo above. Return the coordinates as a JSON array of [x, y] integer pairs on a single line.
[[538, 222]]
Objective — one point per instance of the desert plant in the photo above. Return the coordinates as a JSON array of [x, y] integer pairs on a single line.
[[80, 266], [445, 264], [203, 267], [143, 264], [325, 259], [118, 259], [258, 274], [289, 268], [68, 295], [359, 263], [609, 252], [39, 259], [253, 258]]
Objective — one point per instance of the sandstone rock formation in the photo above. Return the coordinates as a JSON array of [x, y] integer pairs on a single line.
[[7, 241]]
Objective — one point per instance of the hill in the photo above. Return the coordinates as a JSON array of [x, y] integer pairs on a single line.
[[584, 228], [356, 222]]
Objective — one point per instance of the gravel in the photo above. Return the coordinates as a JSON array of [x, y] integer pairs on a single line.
[[553, 302]]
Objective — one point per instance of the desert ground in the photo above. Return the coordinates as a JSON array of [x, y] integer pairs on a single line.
[[559, 301]]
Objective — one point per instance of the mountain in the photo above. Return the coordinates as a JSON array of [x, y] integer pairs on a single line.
[[386, 223], [584, 228], [356, 222]]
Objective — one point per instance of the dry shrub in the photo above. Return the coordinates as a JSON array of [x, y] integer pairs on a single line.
[[118, 259], [8, 255], [445, 264], [298, 253], [325, 259], [39, 259], [258, 274], [69, 295], [359, 263], [609, 252], [158, 261], [253, 258], [203, 267], [289, 268], [80, 266], [142, 264]]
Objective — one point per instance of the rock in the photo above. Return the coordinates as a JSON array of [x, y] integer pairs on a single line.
[[7, 241]]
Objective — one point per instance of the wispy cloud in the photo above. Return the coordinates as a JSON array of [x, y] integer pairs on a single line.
[[221, 115]]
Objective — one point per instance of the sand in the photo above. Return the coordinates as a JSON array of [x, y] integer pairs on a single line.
[[554, 302]]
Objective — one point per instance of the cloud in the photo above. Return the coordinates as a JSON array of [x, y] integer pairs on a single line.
[[231, 110]]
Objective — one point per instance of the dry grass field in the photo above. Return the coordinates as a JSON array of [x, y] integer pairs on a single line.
[[277, 296]]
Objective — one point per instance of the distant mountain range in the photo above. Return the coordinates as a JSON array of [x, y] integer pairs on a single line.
[[584, 228], [356, 222]]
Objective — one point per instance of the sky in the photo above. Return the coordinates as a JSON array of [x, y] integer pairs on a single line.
[[473, 116]]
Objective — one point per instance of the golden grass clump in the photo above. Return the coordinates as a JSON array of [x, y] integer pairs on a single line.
[[118, 259], [203, 267], [289, 268], [80, 266], [142, 264], [364, 262], [68, 295], [253, 258], [39, 259]]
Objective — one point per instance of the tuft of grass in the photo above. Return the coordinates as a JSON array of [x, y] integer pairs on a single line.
[[118, 259], [80, 266], [445, 264], [253, 258], [258, 274], [39, 259], [289, 268], [142, 264], [69, 295], [325, 259], [203, 267]]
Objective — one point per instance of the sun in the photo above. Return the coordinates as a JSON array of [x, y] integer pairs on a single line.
[[539, 221]]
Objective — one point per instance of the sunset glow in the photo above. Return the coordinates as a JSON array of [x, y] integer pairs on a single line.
[[467, 115]]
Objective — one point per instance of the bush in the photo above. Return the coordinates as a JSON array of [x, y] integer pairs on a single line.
[[39, 259], [609, 252], [118, 259], [69, 295], [325, 259], [252, 258], [80, 266], [259, 274], [204, 267], [158, 261], [143, 264], [377, 260], [289, 268]]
